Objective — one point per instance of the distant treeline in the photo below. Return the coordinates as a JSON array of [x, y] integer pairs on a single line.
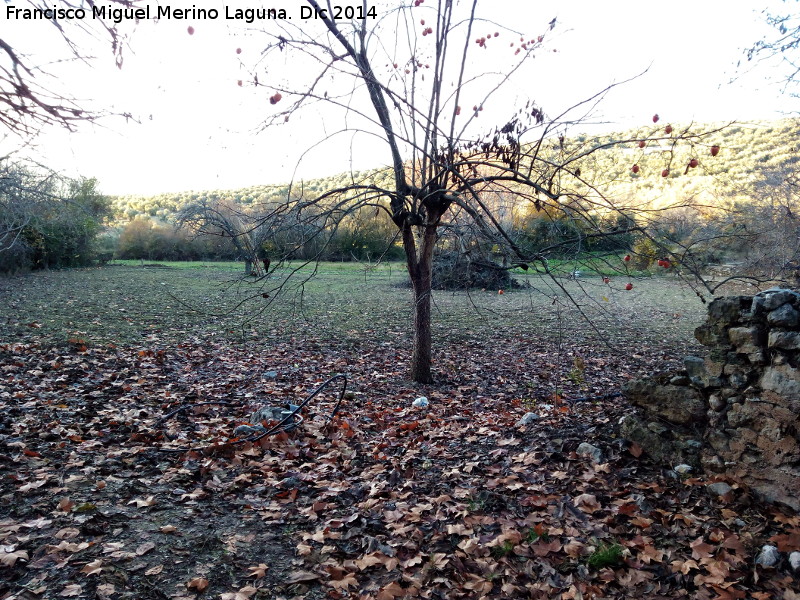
[[740, 203]]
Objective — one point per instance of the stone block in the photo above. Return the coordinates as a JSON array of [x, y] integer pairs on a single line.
[[746, 340], [728, 309], [676, 404], [714, 368], [784, 316], [784, 340], [716, 402], [776, 297], [783, 380], [741, 415], [758, 358], [757, 309], [661, 449], [775, 484], [708, 335], [696, 370]]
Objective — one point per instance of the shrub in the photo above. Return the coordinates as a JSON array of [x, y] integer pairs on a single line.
[[454, 271]]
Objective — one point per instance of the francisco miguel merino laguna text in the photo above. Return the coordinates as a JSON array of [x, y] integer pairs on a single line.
[[249, 15]]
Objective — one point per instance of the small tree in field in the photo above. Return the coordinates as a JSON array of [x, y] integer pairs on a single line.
[[224, 219], [422, 76]]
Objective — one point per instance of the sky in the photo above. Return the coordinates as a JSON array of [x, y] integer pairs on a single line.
[[194, 128]]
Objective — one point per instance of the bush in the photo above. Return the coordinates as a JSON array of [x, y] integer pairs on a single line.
[[47, 222], [645, 252], [454, 271]]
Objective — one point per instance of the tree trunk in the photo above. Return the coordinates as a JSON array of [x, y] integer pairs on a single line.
[[421, 353], [420, 269]]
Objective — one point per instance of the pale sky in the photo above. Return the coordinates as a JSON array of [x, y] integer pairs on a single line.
[[196, 127]]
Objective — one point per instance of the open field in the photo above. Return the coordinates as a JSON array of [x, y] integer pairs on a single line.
[[129, 304], [101, 496]]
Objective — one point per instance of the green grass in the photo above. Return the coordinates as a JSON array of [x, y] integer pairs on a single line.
[[503, 549], [125, 303], [606, 555]]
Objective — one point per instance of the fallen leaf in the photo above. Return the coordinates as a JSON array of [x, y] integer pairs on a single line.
[[145, 548], [391, 591], [259, 571], [9, 557], [344, 583], [93, 568], [244, 593], [73, 589], [198, 583], [301, 576], [67, 533], [140, 503]]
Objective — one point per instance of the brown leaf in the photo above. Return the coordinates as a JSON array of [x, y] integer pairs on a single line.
[[651, 554], [198, 583], [391, 591], [244, 593], [8, 557], [541, 548], [587, 503], [344, 583], [93, 568], [304, 549], [73, 589], [370, 560], [787, 542], [105, 591], [141, 503], [574, 548], [301, 576], [145, 548], [701, 550], [67, 533], [478, 584], [259, 571]]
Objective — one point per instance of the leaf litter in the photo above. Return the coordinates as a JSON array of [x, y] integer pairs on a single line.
[[386, 501]]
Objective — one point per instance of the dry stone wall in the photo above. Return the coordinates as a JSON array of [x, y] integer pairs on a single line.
[[735, 411]]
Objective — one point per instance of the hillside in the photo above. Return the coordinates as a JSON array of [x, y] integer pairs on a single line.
[[747, 152]]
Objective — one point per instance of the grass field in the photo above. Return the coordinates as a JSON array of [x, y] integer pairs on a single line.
[[543, 328], [134, 304]]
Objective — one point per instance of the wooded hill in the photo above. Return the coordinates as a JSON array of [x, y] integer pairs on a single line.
[[749, 152]]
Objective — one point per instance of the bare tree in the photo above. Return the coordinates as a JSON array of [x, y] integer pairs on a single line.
[[217, 217], [783, 46], [29, 94], [21, 196], [409, 76]]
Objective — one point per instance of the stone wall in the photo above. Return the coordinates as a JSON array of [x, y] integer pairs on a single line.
[[734, 412]]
